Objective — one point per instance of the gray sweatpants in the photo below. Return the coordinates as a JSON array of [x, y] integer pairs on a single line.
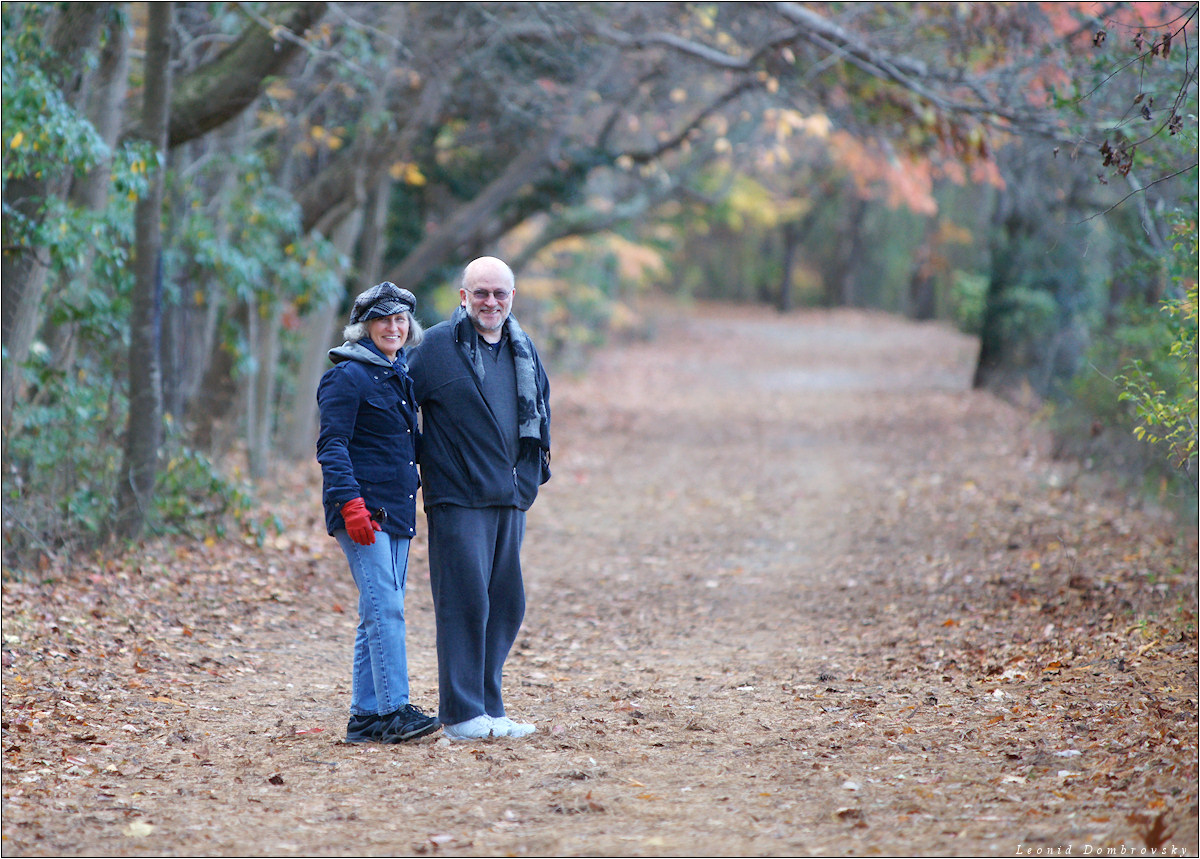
[[478, 601]]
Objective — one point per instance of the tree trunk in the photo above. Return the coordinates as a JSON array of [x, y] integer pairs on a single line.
[[852, 241], [204, 389], [261, 390], [143, 435], [105, 104], [794, 235], [374, 231], [922, 281], [214, 401]]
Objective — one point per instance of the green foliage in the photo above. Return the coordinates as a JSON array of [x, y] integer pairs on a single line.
[[1164, 387], [1027, 314], [43, 137], [45, 141], [194, 497], [249, 249], [968, 296], [64, 461], [1140, 381], [65, 440], [64, 455]]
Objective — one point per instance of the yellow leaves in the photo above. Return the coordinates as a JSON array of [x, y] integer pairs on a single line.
[[679, 95], [769, 81], [950, 232], [17, 140], [329, 139], [280, 90], [751, 201], [635, 262], [408, 173], [270, 119]]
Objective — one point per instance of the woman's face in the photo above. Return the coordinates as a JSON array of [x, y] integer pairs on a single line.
[[389, 333]]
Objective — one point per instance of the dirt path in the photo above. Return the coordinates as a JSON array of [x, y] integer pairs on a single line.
[[794, 589]]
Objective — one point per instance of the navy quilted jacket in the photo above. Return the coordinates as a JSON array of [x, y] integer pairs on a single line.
[[369, 435]]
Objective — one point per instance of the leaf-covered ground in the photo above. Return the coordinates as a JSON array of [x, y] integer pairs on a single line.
[[794, 589]]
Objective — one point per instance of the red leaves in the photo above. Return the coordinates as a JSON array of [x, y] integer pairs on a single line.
[[1153, 832]]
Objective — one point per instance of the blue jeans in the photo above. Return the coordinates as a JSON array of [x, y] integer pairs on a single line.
[[380, 678]]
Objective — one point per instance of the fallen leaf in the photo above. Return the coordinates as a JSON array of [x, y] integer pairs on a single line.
[[138, 829], [162, 700]]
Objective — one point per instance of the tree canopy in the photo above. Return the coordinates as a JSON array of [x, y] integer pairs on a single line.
[[941, 160]]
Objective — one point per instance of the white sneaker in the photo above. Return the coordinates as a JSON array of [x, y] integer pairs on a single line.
[[479, 728], [506, 727]]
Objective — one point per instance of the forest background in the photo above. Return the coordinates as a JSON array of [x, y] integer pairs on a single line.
[[193, 193]]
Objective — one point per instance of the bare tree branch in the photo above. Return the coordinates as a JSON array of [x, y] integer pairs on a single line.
[[215, 93]]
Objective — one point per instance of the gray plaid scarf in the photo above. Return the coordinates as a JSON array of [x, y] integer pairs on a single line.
[[531, 408]]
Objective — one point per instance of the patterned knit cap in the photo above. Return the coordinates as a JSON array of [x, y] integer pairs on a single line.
[[383, 299]]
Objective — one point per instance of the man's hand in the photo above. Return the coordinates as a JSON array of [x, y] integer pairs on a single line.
[[359, 524]]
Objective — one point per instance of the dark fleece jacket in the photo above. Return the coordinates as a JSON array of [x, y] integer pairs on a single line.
[[464, 455]]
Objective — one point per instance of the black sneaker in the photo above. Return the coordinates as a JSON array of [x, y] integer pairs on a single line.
[[366, 728], [407, 723]]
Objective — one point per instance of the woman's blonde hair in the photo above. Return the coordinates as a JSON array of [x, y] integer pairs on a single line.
[[358, 331]]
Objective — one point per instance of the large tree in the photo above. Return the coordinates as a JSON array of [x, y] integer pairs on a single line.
[[143, 433]]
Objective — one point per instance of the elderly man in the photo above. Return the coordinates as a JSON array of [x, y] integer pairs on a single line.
[[485, 418]]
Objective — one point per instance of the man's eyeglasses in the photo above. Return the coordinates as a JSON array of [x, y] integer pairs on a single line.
[[498, 294]]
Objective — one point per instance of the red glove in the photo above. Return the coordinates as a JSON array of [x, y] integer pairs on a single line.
[[359, 524]]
